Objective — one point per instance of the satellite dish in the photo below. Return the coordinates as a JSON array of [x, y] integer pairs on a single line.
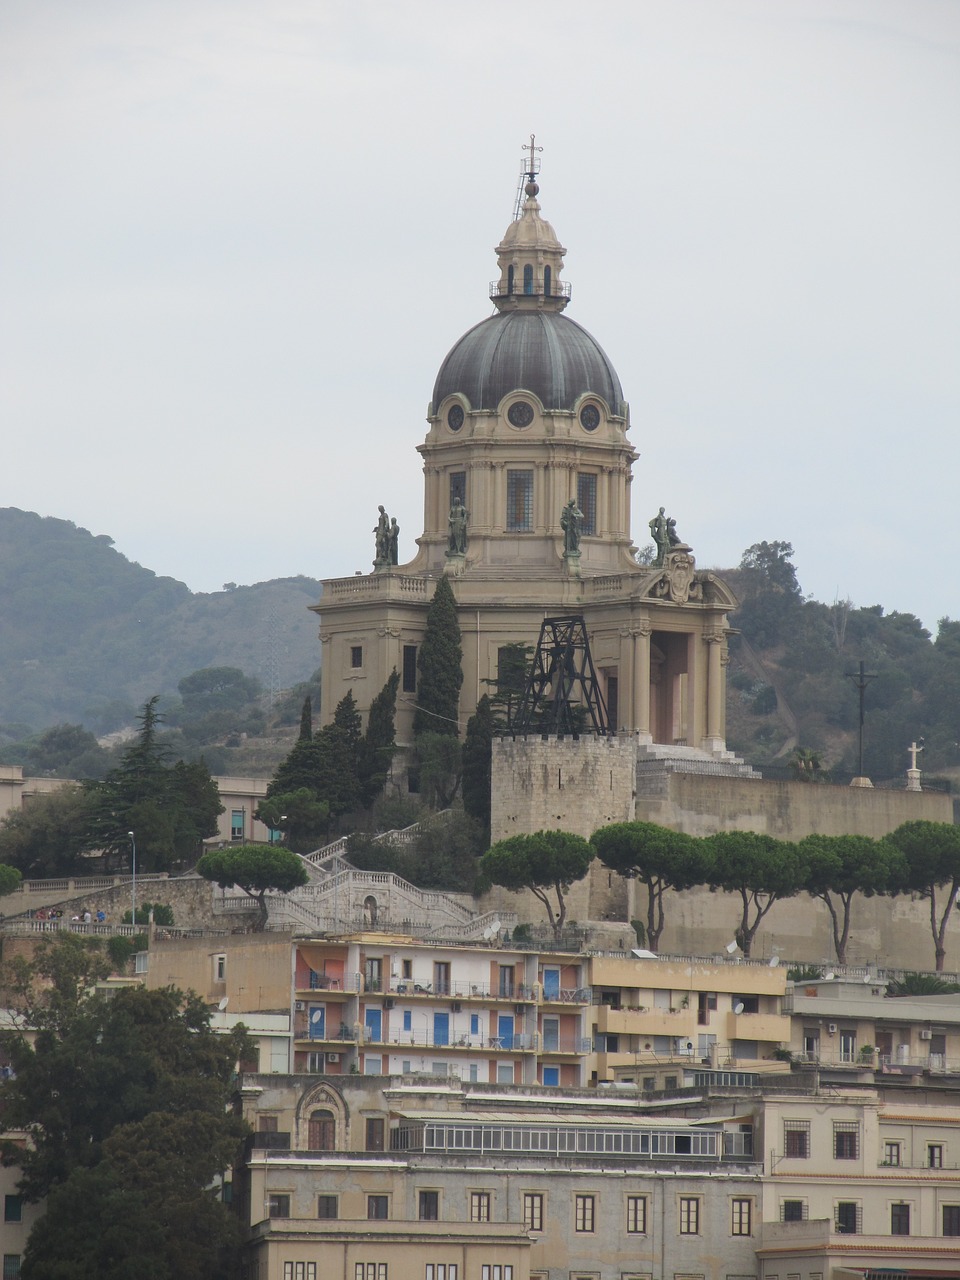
[[731, 948], [488, 933], [222, 1004], [829, 976], [867, 978], [495, 927], [738, 1007], [774, 962]]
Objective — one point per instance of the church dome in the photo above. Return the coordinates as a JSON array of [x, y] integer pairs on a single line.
[[540, 351]]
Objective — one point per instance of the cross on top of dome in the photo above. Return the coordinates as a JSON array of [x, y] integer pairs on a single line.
[[530, 256]]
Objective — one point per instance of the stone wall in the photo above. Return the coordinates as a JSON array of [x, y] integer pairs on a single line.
[[582, 785]]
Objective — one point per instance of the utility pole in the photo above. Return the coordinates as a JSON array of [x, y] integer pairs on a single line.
[[861, 678]]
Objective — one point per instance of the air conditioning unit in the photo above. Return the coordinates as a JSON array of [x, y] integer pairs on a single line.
[[926, 1034], [388, 1004], [831, 1028], [299, 1006], [333, 1057], [456, 1006]]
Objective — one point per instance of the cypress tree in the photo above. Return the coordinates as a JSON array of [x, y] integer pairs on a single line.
[[477, 763], [306, 720], [379, 741], [438, 662]]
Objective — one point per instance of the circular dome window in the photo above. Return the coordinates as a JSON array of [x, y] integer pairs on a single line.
[[455, 417], [520, 414], [589, 417]]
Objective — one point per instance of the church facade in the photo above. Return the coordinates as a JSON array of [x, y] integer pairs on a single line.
[[528, 469]]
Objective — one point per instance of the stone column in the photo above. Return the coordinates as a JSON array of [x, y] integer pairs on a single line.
[[641, 682], [628, 709], [713, 739]]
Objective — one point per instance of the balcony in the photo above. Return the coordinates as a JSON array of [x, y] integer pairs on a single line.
[[769, 1027], [338, 1033], [519, 1042], [466, 991], [647, 1022]]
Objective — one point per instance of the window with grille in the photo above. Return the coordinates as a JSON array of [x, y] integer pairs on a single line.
[[587, 500], [458, 487], [846, 1140], [356, 655], [796, 1139], [689, 1215], [636, 1215], [951, 1219], [327, 1206], [533, 1211], [793, 1211], [519, 501], [429, 1206], [584, 1210], [900, 1219], [479, 1206], [740, 1215], [11, 1266]]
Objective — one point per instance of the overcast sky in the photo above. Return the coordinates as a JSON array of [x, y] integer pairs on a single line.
[[239, 238]]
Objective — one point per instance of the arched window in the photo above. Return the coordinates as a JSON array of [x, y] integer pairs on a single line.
[[510, 279], [547, 281], [322, 1131], [528, 278]]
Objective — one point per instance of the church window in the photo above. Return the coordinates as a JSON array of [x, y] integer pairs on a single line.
[[409, 668], [519, 501], [528, 278], [356, 656], [587, 500], [510, 279], [547, 281], [458, 486]]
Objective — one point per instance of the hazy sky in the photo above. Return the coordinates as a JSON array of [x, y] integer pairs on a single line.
[[239, 238]]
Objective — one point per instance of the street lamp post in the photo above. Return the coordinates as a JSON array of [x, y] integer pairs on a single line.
[[133, 879]]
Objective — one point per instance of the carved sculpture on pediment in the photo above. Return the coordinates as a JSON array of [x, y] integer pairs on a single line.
[[678, 581]]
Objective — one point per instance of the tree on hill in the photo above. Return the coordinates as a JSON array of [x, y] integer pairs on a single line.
[[257, 869], [306, 720], [932, 854], [125, 1104], [439, 666], [837, 868], [760, 869], [10, 879], [169, 808], [47, 837], [378, 745], [328, 764], [547, 863], [658, 858], [300, 815], [66, 751]]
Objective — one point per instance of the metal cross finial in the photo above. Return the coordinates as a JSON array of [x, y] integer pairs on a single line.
[[532, 149]]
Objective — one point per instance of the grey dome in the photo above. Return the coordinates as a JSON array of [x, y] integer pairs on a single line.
[[538, 351]]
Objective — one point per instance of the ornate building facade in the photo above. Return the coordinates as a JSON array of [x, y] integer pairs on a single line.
[[528, 468]]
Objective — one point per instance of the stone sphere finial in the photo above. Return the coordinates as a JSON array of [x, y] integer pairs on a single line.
[[532, 189]]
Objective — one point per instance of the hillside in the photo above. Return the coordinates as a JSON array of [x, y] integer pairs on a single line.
[[789, 682], [87, 635]]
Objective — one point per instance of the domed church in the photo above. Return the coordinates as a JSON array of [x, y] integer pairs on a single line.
[[527, 472]]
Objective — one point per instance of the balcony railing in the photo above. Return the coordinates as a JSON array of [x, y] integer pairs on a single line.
[[558, 289]]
